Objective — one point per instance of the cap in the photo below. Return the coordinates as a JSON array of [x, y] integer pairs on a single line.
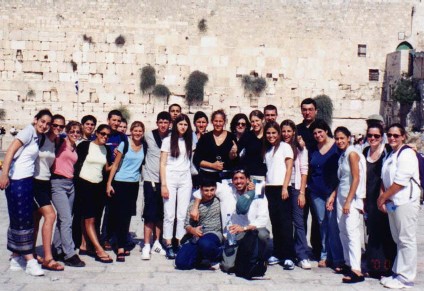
[[377, 117]]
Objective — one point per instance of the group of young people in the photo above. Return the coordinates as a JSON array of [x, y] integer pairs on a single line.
[[292, 170]]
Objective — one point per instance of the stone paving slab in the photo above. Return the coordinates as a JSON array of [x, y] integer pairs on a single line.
[[158, 274]]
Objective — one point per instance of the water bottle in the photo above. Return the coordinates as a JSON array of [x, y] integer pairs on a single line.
[[231, 238]]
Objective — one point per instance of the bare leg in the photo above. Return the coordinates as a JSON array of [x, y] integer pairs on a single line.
[[148, 230], [37, 218], [47, 230], [158, 230], [90, 230]]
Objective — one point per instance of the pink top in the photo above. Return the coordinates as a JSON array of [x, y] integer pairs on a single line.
[[66, 157], [300, 167]]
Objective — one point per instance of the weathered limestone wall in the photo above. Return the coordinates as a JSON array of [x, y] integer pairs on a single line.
[[303, 48]]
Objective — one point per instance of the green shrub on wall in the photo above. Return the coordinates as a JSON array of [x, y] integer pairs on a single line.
[[325, 108], [2, 114], [405, 92], [195, 87], [253, 84], [148, 78], [161, 91], [125, 112]]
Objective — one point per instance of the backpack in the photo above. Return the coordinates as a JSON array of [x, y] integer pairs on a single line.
[[250, 259], [420, 159]]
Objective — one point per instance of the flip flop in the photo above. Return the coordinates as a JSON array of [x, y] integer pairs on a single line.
[[120, 257], [103, 259], [353, 278]]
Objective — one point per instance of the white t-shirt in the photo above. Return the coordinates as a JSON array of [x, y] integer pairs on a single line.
[[45, 160], [276, 164], [400, 171], [92, 169], [180, 164], [24, 159]]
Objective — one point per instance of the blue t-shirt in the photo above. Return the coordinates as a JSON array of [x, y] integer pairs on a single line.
[[129, 170], [113, 142]]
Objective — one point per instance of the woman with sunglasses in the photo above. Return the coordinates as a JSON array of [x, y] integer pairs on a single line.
[[297, 190], [322, 181], [43, 195], [239, 125], [349, 202], [63, 194], [216, 151], [278, 157], [399, 198], [91, 164], [381, 249], [175, 177], [17, 178], [123, 183]]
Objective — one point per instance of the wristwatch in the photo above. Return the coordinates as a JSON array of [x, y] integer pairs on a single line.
[[245, 228]]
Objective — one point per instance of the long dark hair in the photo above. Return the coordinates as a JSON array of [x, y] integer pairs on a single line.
[[188, 137], [321, 124], [235, 120], [267, 146], [294, 143]]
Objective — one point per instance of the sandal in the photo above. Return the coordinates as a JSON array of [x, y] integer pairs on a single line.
[[127, 253], [353, 278], [52, 265], [120, 257], [103, 259], [343, 269], [322, 264]]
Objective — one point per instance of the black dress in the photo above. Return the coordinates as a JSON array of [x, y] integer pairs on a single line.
[[381, 249]]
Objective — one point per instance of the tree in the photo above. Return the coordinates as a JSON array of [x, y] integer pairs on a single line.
[[405, 92], [325, 108]]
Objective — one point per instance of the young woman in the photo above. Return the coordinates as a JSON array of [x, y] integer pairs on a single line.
[[250, 147], [322, 182], [278, 157], [175, 176], [381, 249], [349, 199], [63, 194], [400, 198], [216, 151], [200, 121], [297, 190], [17, 179], [123, 183], [239, 125], [92, 160], [43, 194]]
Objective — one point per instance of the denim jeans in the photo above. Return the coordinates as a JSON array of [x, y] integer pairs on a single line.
[[330, 240], [300, 242]]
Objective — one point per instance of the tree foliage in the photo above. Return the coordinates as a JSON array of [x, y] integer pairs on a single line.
[[325, 108], [195, 87], [405, 91]]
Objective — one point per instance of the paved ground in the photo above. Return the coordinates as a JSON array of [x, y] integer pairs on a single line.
[[159, 274]]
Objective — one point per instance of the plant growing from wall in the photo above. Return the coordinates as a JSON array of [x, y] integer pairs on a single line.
[[125, 112], [120, 41], [161, 91], [74, 66], [87, 38], [148, 78], [405, 92], [253, 84], [195, 87], [2, 113], [202, 26], [325, 108]]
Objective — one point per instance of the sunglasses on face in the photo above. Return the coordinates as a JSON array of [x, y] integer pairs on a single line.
[[54, 125], [102, 133], [74, 132], [376, 136], [394, 135], [241, 124]]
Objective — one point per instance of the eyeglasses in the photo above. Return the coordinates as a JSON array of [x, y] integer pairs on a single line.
[[376, 136], [394, 135], [74, 132], [102, 133], [58, 125], [241, 124]]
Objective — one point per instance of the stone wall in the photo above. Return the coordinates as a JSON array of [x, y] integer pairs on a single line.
[[302, 48]]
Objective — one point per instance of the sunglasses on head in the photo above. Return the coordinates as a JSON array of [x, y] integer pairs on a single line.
[[370, 135], [395, 135], [58, 125], [102, 133]]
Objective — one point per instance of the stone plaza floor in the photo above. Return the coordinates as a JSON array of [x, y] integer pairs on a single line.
[[158, 274]]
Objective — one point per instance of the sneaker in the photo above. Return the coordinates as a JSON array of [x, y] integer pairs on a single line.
[[383, 279], [170, 254], [17, 263], [288, 265], [158, 249], [395, 283], [273, 261], [305, 264], [33, 268], [74, 261], [145, 252]]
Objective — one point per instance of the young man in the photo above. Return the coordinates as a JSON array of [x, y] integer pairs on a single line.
[[270, 112], [123, 126], [174, 110], [256, 217], [204, 236], [88, 126], [153, 203], [309, 111]]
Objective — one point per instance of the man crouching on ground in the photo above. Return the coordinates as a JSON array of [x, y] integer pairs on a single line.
[[202, 248]]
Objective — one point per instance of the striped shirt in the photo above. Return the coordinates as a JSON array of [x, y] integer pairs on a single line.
[[209, 217]]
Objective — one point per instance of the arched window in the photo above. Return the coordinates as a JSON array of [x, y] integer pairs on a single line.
[[404, 46]]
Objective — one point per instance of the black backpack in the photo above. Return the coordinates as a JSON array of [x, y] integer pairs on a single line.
[[250, 259]]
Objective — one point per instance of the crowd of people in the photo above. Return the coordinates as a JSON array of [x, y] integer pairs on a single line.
[[207, 193]]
